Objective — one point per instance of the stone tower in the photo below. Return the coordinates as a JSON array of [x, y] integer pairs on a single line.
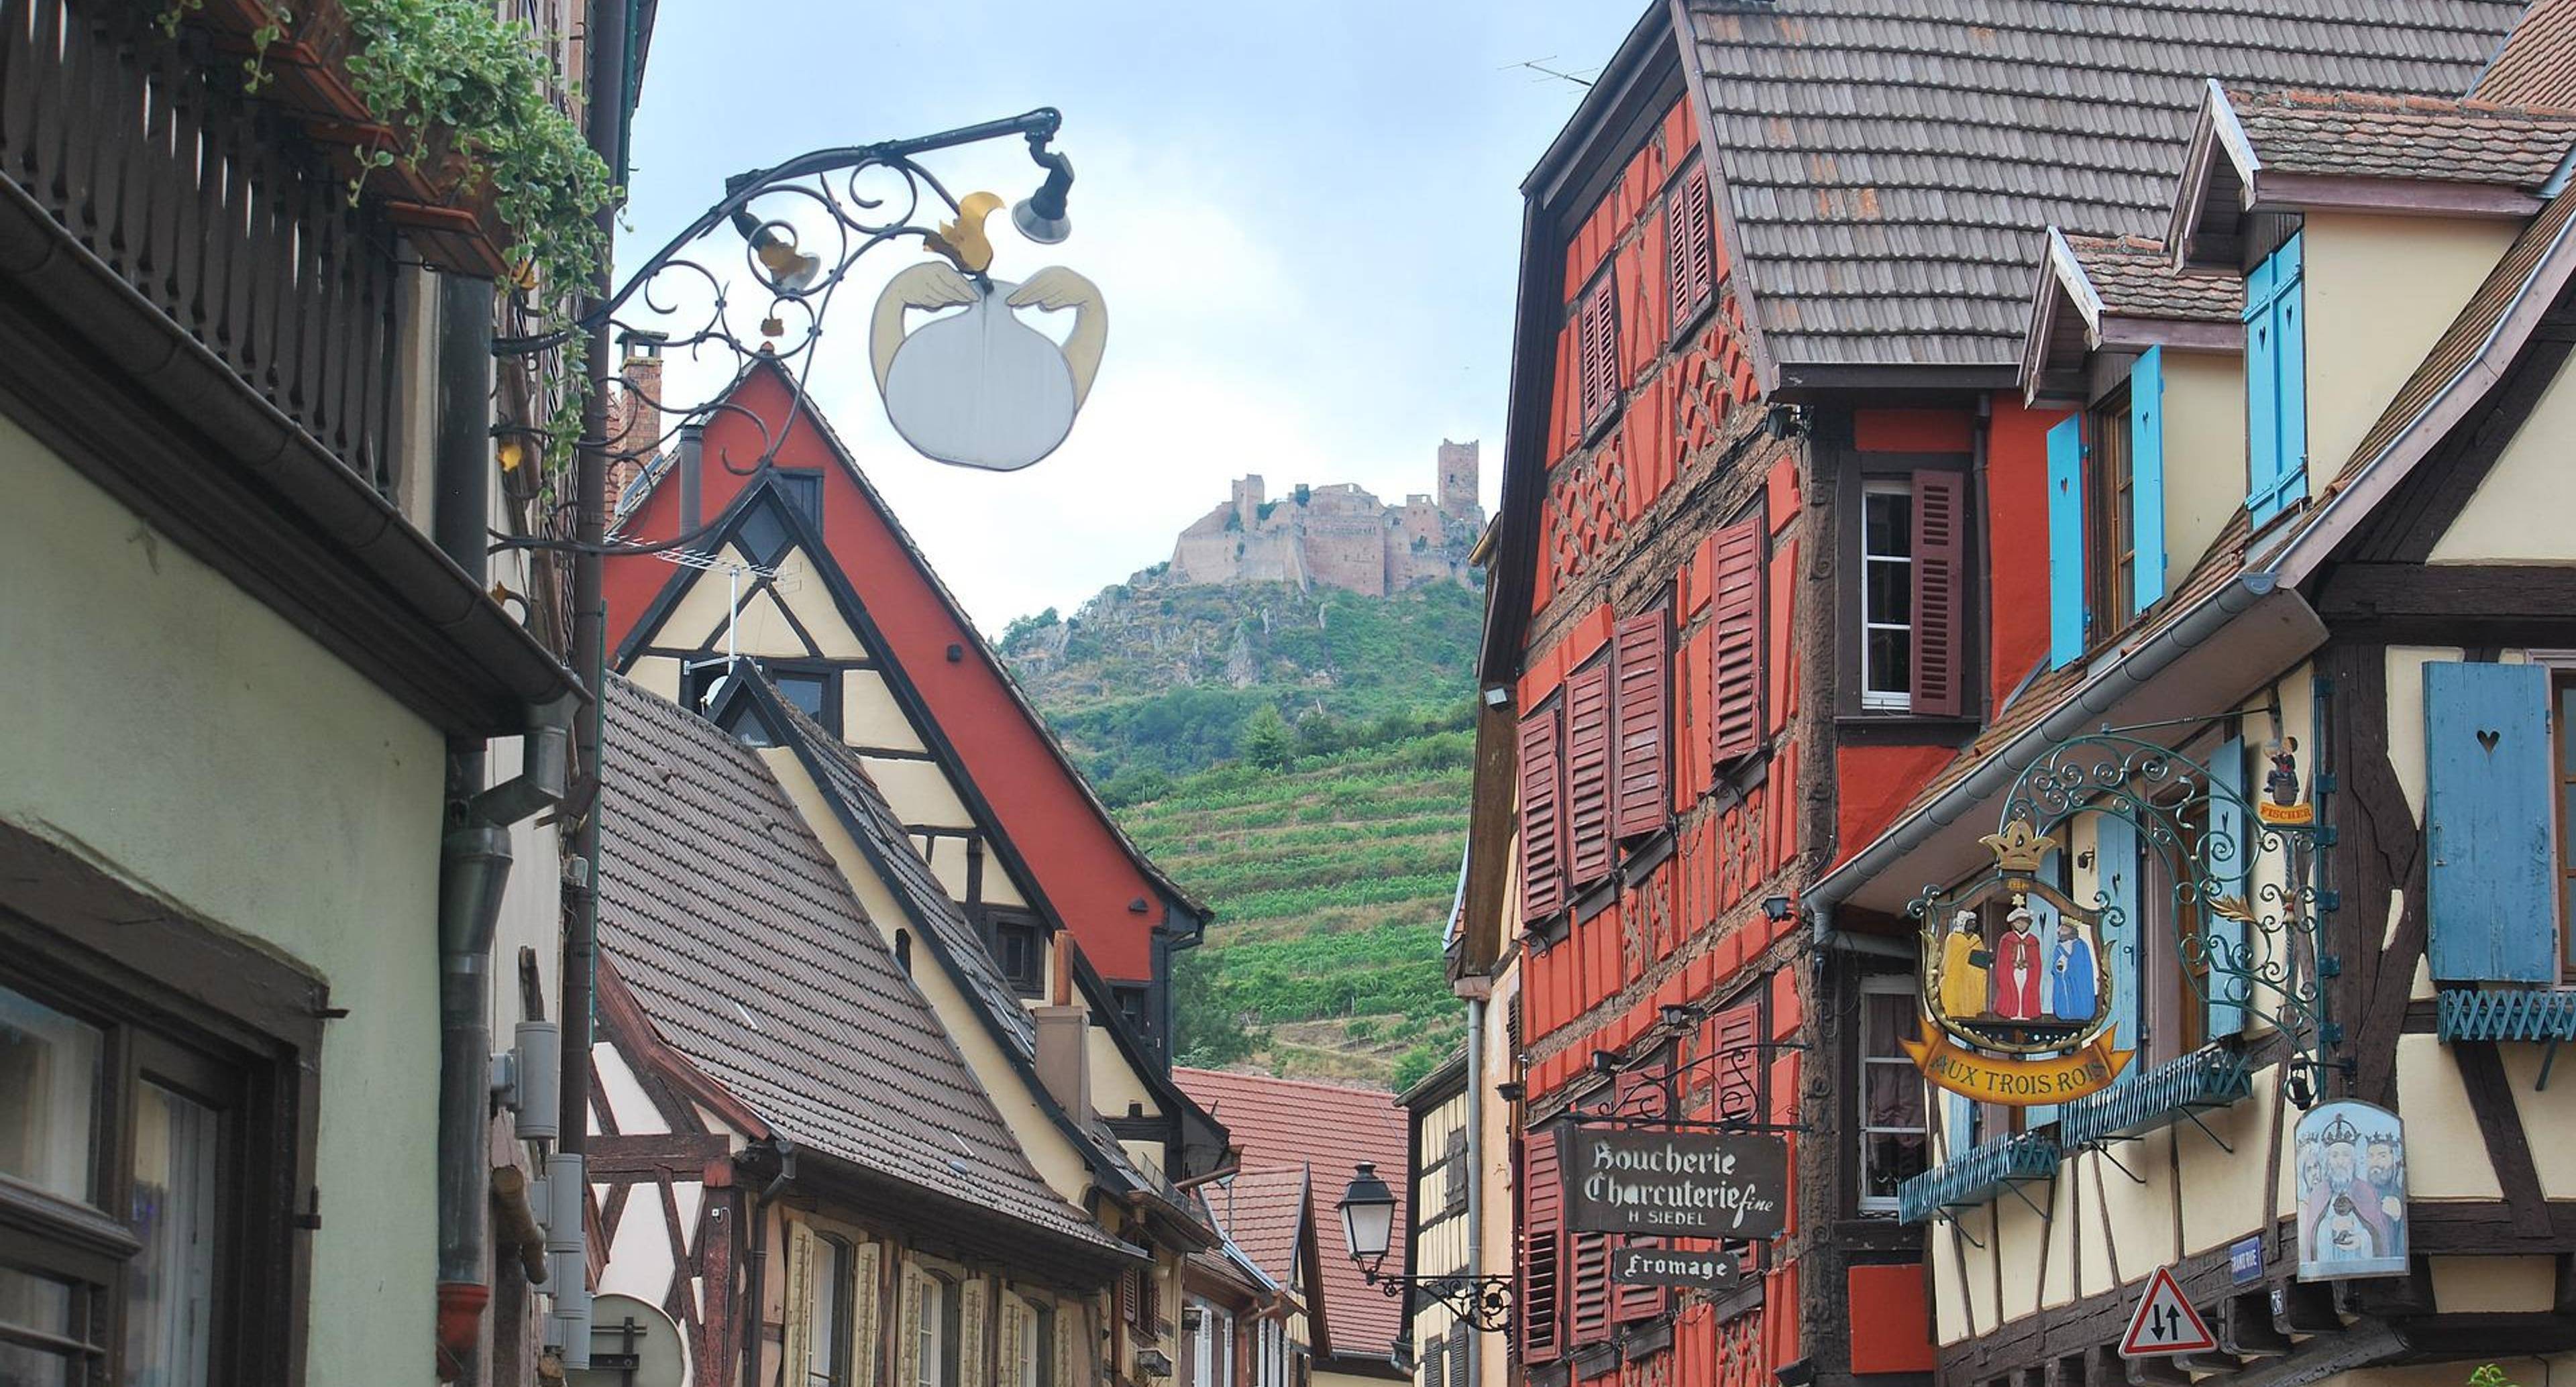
[[1458, 478]]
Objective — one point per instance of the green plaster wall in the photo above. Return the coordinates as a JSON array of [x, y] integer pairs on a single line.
[[186, 739]]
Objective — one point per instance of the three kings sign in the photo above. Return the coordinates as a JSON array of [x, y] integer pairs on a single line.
[[2016, 985]]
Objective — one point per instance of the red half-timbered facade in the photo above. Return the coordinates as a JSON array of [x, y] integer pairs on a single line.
[[1773, 546]]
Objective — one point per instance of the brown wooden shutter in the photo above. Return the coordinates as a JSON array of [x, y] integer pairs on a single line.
[[1738, 1077], [1690, 252], [1542, 1235], [1589, 1289], [1735, 642], [1644, 717], [1597, 348], [1940, 626], [1542, 817], [1590, 850]]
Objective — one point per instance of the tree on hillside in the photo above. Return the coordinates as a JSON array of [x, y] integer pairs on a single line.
[[1267, 741]]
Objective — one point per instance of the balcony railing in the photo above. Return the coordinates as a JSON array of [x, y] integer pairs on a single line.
[[2523, 1014], [2210, 1077], [152, 164], [1976, 1177]]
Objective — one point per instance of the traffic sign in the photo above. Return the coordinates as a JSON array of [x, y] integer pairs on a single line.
[[2165, 1322]]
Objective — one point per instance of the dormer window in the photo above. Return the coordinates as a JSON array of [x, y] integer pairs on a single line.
[[2276, 383]]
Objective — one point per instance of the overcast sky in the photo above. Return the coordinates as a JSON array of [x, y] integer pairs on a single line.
[[1304, 220]]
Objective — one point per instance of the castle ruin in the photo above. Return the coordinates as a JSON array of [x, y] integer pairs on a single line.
[[1339, 536]]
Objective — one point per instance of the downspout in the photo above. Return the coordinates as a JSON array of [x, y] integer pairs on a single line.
[[1475, 1161], [785, 1152], [474, 855]]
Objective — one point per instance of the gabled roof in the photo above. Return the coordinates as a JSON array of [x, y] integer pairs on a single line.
[[1889, 165], [745, 950], [2121, 292], [1320, 1130], [1265, 1213], [2441, 139], [2538, 64]]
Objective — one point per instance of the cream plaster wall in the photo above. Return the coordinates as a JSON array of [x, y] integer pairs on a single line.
[[2435, 1103], [2519, 513], [180, 736], [659, 675], [871, 718], [2379, 291], [2406, 715], [2204, 453], [919, 792], [2494, 1285], [804, 595], [1115, 1084]]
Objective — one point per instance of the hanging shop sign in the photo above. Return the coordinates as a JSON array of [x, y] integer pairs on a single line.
[[1660, 1266], [2016, 985], [1680, 1184], [2352, 1192]]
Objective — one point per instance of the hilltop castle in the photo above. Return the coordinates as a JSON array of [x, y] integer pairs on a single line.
[[1339, 536]]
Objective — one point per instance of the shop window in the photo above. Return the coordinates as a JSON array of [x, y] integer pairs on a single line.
[[1894, 1143]]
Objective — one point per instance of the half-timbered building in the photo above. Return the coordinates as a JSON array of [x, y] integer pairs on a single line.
[[1773, 548], [2295, 763]]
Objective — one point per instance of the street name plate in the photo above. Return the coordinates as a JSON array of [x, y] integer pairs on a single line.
[[1681, 1184]]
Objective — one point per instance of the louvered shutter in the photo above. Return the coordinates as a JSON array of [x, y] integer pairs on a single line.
[[2276, 382], [2487, 822], [1703, 232], [865, 1268], [1542, 1234], [1542, 816], [1588, 1289], [1435, 1361], [1940, 583], [2066, 542], [1633, 1303], [2147, 479], [1597, 346], [1689, 248], [907, 1348], [1645, 791], [1459, 1347], [1013, 1340], [1735, 642], [1737, 1083], [800, 1302], [1959, 1124], [970, 1330], [2225, 938], [1590, 850]]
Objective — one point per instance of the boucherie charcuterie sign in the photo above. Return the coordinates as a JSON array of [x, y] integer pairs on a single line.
[[1682, 1184]]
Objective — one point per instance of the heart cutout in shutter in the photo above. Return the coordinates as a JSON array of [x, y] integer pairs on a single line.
[[2488, 737]]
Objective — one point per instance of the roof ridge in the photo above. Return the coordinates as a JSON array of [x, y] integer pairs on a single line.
[[1278, 1079]]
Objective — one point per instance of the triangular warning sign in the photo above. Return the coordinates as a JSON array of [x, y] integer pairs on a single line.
[[2165, 1322]]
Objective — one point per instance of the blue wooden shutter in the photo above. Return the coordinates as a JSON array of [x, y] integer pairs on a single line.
[[2276, 383], [2147, 478], [1959, 1118], [2487, 823], [2227, 937], [2115, 861], [2066, 542]]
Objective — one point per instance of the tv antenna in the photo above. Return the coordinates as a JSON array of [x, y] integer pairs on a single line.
[[735, 570], [1541, 68]]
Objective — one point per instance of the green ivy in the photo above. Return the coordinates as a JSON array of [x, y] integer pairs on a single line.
[[453, 66]]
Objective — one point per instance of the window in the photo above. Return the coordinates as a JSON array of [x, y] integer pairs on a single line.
[[2110, 540], [1690, 248], [1135, 1006], [2106, 527], [102, 1118], [1027, 1342], [802, 492], [1455, 1174], [1596, 350], [1892, 1135], [827, 1333], [1211, 1349], [1594, 766], [1019, 948], [1887, 595], [2276, 383], [935, 1332], [809, 690]]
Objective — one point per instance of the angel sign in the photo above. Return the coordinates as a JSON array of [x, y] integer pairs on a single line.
[[983, 388]]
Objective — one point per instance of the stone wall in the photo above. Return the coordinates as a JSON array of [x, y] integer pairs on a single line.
[[1339, 535]]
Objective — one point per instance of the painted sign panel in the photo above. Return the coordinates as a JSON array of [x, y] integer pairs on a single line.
[[1661, 1266], [2352, 1192], [982, 388], [2165, 1323], [1684, 1184]]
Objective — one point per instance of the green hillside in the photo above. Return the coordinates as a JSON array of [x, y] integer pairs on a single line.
[[1301, 762]]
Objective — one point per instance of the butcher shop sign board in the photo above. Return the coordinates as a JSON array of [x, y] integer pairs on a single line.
[[1679, 1184]]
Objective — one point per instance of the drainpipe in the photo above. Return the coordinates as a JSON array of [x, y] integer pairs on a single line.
[[474, 855], [784, 1152], [1475, 1160]]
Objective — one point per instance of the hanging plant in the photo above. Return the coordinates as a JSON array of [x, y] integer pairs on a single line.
[[466, 93]]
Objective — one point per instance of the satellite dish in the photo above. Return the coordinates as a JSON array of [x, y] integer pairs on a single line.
[[632, 1344]]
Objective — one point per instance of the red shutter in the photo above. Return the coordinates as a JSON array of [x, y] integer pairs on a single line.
[[1590, 849], [1940, 627], [1735, 642], [1588, 1290], [1733, 1035], [1645, 791], [1641, 1095], [1542, 817], [1689, 250], [1635, 1303], [1542, 1248], [1703, 243], [1597, 347]]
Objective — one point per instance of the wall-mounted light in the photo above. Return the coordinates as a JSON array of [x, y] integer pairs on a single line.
[[1605, 1062], [1778, 908]]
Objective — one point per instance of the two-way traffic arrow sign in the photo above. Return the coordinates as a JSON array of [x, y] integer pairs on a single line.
[[2165, 1322]]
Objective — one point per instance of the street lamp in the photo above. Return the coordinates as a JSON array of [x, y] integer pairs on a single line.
[[1483, 1303]]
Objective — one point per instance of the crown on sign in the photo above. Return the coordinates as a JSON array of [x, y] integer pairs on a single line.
[[2018, 848], [2341, 1132]]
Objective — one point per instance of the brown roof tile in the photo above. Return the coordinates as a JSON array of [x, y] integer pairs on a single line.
[[2134, 276], [2359, 134], [1891, 165], [1262, 1210], [746, 950], [2538, 64]]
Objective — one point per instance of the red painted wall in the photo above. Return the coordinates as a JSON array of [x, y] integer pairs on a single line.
[[1875, 782], [1080, 865], [1891, 1327], [2017, 531]]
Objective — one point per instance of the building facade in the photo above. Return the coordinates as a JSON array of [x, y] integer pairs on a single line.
[[1770, 554]]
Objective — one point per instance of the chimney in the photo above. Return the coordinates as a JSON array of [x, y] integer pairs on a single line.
[[635, 430], [1064, 1057]]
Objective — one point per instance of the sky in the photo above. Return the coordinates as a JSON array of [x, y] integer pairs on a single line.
[[1304, 220]]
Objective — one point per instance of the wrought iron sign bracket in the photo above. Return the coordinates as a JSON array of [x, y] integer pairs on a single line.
[[1483, 1303]]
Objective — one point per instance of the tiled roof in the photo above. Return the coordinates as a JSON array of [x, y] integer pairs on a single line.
[[1261, 1210], [2538, 64], [2466, 338], [2439, 139], [1325, 1129], [2134, 276], [747, 952], [1891, 165]]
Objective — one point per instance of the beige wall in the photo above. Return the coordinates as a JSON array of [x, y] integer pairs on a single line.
[[2379, 291], [2204, 453], [185, 739], [2519, 513]]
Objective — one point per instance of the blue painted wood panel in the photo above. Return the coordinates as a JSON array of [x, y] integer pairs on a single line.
[[2066, 541], [2489, 837], [2276, 382], [2226, 938], [2147, 479], [2115, 861]]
